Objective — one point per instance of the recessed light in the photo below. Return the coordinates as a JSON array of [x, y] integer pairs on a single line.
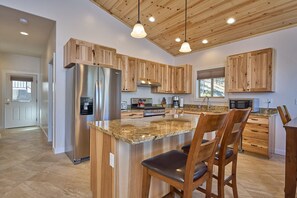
[[23, 21], [152, 19], [24, 33], [177, 39], [231, 20], [204, 41]]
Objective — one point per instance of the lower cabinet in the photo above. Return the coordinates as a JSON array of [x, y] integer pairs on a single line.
[[258, 135]]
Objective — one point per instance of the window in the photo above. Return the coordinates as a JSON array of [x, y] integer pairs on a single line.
[[211, 83], [21, 88]]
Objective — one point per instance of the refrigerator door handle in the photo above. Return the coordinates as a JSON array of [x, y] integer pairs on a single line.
[[96, 101]]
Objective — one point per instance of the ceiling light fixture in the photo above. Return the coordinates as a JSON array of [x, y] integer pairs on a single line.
[[178, 40], [138, 29], [204, 41], [185, 47], [23, 21], [231, 20], [24, 33], [152, 19]]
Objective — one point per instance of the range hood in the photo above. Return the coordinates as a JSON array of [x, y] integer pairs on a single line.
[[147, 83]]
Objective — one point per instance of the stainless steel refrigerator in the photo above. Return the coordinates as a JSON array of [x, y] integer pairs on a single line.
[[92, 93]]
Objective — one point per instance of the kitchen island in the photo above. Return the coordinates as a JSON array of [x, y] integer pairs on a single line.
[[119, 146]]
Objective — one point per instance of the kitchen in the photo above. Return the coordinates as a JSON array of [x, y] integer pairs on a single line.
[[116, 35]]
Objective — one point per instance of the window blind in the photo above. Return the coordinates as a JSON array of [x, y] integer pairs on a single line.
[[211, 73], [21, 78]]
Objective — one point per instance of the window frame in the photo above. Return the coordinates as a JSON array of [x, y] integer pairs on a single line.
[[211, 88]]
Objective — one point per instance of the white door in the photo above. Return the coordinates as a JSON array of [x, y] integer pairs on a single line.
[[21, 101]]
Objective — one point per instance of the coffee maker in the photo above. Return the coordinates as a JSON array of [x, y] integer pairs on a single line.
[[175, 101]]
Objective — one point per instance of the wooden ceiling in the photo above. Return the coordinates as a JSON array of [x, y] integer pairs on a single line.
[[206, 19]]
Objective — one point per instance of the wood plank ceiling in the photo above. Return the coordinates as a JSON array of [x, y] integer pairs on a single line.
[[206, 19]]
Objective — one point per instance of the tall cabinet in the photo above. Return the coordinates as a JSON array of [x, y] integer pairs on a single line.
[[128, 65], [250, 72]]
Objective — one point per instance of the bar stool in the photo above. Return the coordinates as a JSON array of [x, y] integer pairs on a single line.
[[228, 151], [284, 114], [185, 172]]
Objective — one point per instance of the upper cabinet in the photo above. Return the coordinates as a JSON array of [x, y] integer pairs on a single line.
[[161, 74], [128, 65], [82, 52], [76, 51], [250, 72], [104, 56], [146, 70]]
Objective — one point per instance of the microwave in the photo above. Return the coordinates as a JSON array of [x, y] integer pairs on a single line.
[[243, 103]]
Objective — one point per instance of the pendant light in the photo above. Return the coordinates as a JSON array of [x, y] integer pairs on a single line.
[[138, 29], [185, 47]]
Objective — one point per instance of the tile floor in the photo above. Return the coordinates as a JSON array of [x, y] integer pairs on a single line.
[[29, 169]]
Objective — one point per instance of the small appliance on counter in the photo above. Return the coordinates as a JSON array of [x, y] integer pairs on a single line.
[[243, 103], [124, 105], [181, 102], [175, 101], [147, 105]]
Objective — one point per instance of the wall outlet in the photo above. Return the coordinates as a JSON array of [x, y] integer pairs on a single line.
[[111, 160]]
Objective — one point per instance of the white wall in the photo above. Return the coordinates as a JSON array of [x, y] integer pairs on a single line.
[[14, 63], [285, 45], [84, 20]]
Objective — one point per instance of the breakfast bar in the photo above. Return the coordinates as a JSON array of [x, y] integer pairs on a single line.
[[119, 146]]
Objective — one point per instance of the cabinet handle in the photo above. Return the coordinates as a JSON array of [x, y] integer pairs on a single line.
[[93, 51], [254, 145], [255, 119], [254, 130]]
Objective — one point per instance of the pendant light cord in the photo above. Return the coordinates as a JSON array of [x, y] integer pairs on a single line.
[[138, 11], [186, 10]]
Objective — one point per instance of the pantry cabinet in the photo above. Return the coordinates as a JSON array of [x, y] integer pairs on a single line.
[[258, 135], [128, 65], [250, 72]]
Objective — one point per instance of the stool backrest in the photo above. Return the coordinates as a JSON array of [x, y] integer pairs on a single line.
[[204, 152], [236, 123], [284, 114]]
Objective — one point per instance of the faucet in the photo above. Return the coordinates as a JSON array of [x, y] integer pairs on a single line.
[[207, 102]]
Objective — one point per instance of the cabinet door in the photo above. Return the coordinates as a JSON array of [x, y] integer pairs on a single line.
[[105, 56], [260, 67], [77, 51], [161, 73], [187, 79], [236, 73], [122, 63], [179, 80], [142, 69], [131, 74], [151, 71], [170, 88]]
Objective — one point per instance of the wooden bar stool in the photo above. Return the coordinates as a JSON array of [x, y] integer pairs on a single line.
[[284, 114], [186, 172], [228, 151]]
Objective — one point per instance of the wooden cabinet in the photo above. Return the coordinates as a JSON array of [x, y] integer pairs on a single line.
[[258, 135], [131, 114], [82, 52], [170, 87], [146, 70], [260, 63], [104, 56], [77, 51], [179, 80], [161, 71], [187, 78], [128, 65], [250, 72]]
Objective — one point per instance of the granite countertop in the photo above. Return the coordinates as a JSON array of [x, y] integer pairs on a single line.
[[147, 129]]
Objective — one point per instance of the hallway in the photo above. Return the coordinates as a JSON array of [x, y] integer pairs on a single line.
[[28, 168]]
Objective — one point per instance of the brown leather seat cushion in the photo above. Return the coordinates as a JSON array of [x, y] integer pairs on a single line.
[[172, 165]]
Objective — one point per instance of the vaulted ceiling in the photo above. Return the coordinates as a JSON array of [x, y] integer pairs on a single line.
[[206, 19]]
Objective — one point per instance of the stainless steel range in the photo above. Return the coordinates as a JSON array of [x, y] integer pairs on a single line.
[[147, 105]]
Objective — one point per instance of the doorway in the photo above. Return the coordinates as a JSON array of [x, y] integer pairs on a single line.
[[20, 100]]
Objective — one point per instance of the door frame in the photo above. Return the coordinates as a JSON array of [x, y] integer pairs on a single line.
[[14, 72]]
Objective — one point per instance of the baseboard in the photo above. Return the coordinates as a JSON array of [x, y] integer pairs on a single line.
[[280, 152], [43, 130], [58, 150]]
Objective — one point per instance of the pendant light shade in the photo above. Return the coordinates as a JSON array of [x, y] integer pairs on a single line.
[[138, 29], [185, 47]]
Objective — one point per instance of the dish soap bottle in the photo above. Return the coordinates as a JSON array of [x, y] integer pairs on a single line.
[[163, 102]]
